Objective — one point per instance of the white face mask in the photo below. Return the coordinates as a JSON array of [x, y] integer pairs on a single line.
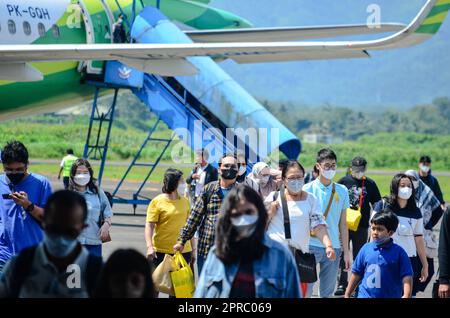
[[244, 220], [424, 168], [82, 179], [242, 170], [245, 225], [263, 180], [295, 186], [404, 193], [358, 175], [328, 174], [182, 188]]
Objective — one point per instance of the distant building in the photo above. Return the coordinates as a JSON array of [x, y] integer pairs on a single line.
[[321, 139]]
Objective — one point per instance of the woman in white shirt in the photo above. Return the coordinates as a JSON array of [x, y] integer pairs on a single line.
[[304, 213], [409, 233]]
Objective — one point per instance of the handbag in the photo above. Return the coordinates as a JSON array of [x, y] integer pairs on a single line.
[[354, 215], [161, 276], [306, 262], [182, 278]]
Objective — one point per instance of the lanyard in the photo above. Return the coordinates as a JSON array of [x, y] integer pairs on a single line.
[[361, 195]]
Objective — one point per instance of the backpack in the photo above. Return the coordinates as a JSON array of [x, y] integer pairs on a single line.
[[22, 268], [110, 198]]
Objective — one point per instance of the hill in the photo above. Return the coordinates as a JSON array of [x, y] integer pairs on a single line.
[[400, 78]]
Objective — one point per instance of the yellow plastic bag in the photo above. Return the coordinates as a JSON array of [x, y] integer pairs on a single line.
[[182, 278], [353, 218], [161, 275]]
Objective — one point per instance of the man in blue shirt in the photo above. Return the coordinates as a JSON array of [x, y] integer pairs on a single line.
[[23, 197], [336, 218], [382, 266]]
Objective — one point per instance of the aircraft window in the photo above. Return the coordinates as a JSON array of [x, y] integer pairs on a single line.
[[41, 29], [12, 27], [55, 30], [26, 28]]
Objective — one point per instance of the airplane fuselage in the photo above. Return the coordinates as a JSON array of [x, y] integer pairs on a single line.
[[75, 22]]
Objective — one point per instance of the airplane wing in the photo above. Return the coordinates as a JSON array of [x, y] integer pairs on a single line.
[[280, 34], [143, 56]]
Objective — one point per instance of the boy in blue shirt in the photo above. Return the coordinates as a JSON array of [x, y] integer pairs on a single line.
[[382, 267]]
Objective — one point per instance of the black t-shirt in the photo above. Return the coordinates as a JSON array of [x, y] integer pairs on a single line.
[[371, 195]]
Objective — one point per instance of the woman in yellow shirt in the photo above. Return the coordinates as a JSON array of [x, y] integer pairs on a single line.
[[166, 215]]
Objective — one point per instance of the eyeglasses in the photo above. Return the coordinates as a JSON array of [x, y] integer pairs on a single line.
[[329, 166]]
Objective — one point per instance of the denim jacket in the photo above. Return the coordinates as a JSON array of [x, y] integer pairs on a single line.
[[275, 274]]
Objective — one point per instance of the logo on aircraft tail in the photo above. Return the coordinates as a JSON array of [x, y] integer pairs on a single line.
[[124, 72]]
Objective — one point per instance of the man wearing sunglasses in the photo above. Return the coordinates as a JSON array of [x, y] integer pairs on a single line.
[[206, 209], [23, 196]]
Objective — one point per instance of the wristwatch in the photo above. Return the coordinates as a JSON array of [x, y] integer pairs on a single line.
[[30, 207]]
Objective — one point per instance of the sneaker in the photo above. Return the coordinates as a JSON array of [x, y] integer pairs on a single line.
[[340, 291]]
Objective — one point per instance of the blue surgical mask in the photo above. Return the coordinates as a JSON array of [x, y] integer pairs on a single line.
[[382, 240], [295, 186], [58, 245]]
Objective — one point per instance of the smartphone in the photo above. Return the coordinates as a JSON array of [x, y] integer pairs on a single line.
[[7, 196]]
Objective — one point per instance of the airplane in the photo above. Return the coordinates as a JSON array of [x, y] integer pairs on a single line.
[[45, 46]]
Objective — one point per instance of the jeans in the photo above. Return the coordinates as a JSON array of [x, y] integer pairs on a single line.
[[358, 239], [66, 182], [94, 249], [328, 272], [200, 261]]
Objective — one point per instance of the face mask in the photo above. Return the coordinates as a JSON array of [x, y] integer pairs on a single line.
[[82, 179], [15, 178], [182, 188], [263, 180], [242, 170], [416, 184], [328, 174], [404, 193], [424, 169], [245, 225], [382, 240], [58, 245], [359, 175], [295, 186], [229, 174]]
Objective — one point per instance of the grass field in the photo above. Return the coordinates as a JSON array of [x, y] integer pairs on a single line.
[[115, 173]]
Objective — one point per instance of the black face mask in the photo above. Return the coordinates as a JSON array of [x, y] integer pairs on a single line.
[[229, 174], [15, 178]]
